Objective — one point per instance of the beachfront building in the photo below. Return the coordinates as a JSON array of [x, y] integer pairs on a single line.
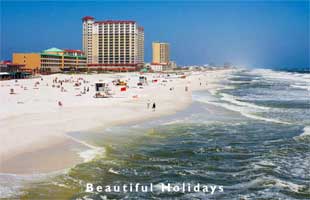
[[8, 66], [52, 60], [113, 45], [161, 57], [161, 53], [9, 70], [173, 65], [156, 67]]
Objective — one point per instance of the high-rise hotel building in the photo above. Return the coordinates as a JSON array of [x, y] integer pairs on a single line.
[[113, 44]]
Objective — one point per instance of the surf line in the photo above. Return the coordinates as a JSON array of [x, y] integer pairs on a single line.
[[237, 108], [90, 154]]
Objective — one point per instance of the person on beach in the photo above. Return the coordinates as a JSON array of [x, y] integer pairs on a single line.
[[59, 104], [154, 106], [148, 104]]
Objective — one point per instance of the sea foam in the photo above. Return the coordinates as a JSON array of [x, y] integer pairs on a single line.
[[305, 133], [91, 154], [243, 110], [268, 73]]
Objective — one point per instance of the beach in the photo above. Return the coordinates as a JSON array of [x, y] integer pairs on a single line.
[[244, 130], [35, 127]]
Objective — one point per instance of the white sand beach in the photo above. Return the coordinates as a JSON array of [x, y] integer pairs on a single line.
[[34, 127]]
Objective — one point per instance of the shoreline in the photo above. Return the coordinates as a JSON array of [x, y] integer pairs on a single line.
[[58, 146]]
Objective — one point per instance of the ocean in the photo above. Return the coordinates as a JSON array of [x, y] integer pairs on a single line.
[[250, 136]]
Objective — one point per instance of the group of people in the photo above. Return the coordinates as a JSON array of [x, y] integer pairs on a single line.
[[76, 83]]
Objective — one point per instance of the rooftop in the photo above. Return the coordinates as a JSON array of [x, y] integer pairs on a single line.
[[88, 18], [73, 51], [156, 42], [54, 49], [116, 22]]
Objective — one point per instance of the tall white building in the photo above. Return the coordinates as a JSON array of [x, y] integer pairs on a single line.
[[113, 43]]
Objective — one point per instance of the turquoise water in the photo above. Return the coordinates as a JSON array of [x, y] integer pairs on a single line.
[[251, 138]]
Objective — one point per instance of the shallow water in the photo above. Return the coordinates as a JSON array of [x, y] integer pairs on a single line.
[[252, 138]]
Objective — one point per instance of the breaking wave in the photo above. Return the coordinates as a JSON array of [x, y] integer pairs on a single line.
[[245, 109], [288, 76]]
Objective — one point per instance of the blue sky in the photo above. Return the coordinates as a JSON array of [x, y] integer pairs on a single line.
[[252, 33]]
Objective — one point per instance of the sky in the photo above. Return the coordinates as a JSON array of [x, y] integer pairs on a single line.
[[247, 33]]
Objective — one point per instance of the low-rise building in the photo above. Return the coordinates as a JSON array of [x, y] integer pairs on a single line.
[[8, 66], [9, 70], [157, 67], [51, 60], [173, 65]]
